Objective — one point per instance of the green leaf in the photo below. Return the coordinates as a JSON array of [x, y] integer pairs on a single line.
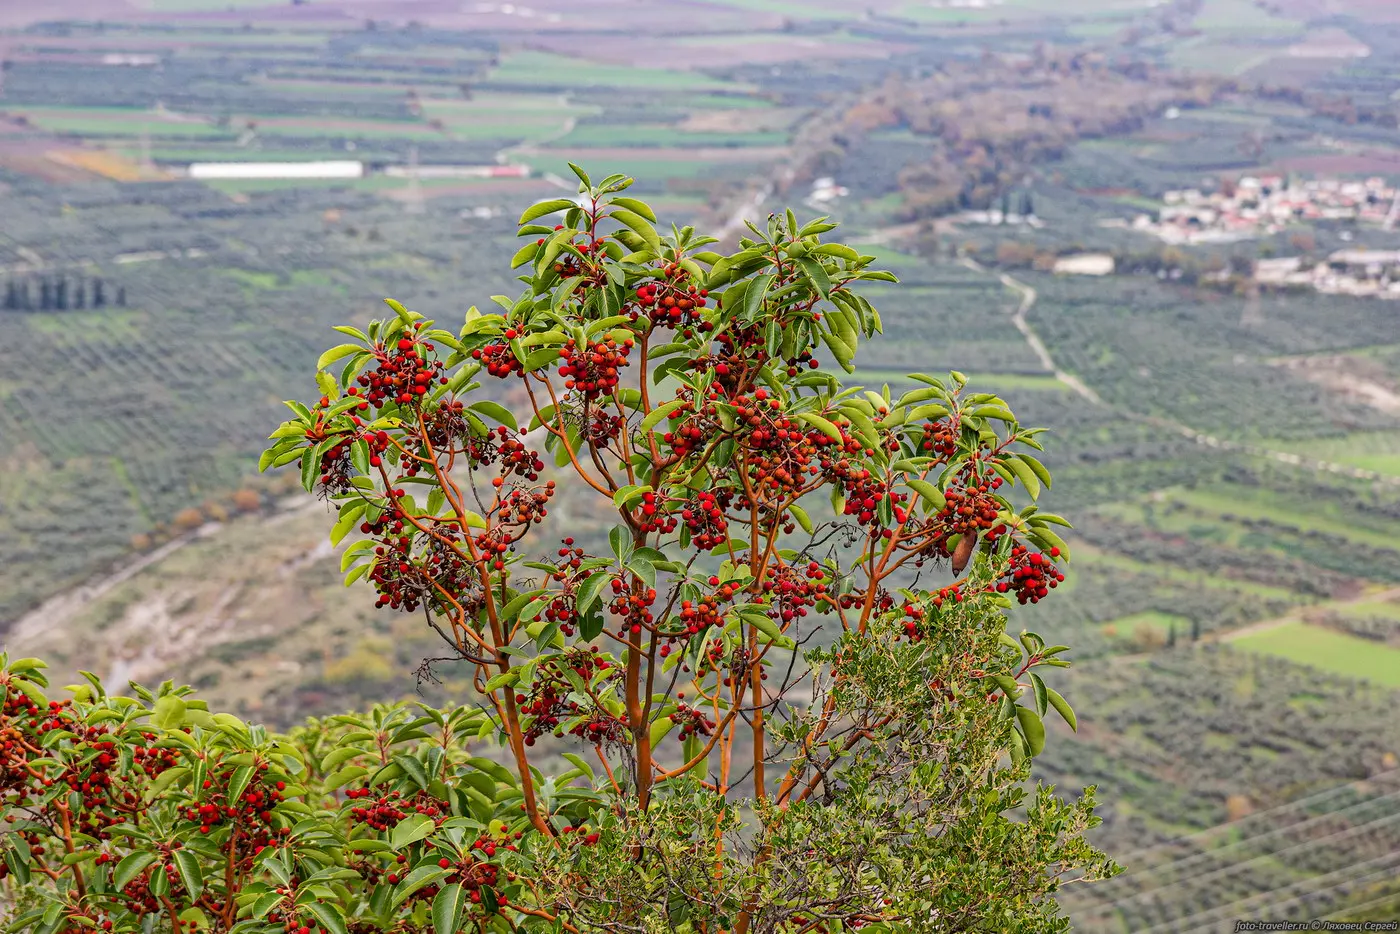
[[931, 494], [769, 628], [524, 255], [1039, 688], [335, 353], [309, 465], [423, 875], [345, 776], [1039, 469], [497, 412], [1032, 727], [639, 226], [656, 415], [589, 589], [502, 680], [631, 491], [1018, 748], [447, 909], [349, 518], [187, 865], [239, 782], [411, 829], [582, 175], [1026, 475], [802, 518], [753, 298], [545, 207], [817, 274], [328, 913], [399, 310], [635, 206], [130, 867], [1063, 708], [821, 424], [659, 728], [19, 865], [169, 713], [580, 763]]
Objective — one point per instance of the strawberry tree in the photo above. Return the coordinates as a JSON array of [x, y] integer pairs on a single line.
[[779, 673], [149, 813]]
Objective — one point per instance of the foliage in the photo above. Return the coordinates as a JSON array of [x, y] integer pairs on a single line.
[[703, 421]]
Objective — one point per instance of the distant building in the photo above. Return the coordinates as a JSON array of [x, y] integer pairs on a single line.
[[271, 170], [130, 59], [1085, 264], [459, 171]]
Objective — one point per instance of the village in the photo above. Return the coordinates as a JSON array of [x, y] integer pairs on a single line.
[[1260, 206], [1367, 273]]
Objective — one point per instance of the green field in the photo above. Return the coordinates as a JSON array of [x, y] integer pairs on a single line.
[[1224, 510], [631, 134], [201, 6], [1330, 651], [546, 70], [791, 8], [1369, 450], [1127, 627], [1243, 18]]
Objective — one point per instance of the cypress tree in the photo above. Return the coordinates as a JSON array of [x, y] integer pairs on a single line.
[[45, 295], [60, 294], [79, 295], [98, 299], [121, 296], [11, 296]]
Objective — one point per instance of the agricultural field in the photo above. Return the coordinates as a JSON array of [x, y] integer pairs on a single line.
[[1317, 647]]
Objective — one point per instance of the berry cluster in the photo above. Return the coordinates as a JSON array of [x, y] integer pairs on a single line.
[[498, 359], [1032, 575], [404, 373], [704, 519], [670, 303], [251, 816], [939, 439], [691, 721], [385, 811], [698, 615], [560, 608], [913, 617], [547, 701], [653, 517], [864, 494], [790, 592], [593, 371], [690, 434], [524, 507], [603, 428], [581, 836], [633, 606], [445, 426], [501, 445], [337, 468], [883, 603], [396, 576]]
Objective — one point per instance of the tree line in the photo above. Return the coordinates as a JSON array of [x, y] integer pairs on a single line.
[[61, 293]]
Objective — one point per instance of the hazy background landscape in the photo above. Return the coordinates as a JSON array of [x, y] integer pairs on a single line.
[[1147, 223]]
